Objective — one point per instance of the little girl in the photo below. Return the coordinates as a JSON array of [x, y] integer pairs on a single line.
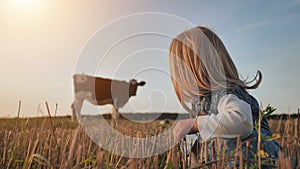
[[207, 84]]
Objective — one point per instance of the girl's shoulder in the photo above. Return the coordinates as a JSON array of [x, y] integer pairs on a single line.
[[242, 94], [209, 103]]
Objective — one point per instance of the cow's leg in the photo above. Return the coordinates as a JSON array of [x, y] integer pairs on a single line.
[[76, 108], [117, 116], [114, 117], [73, 115], [77, 105]]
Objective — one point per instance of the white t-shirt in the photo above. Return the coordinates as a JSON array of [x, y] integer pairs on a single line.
[[233, 120]]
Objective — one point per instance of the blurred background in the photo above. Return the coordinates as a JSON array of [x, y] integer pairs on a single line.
[[41, 40]]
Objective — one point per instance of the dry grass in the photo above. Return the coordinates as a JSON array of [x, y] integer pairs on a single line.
[[59, 143]]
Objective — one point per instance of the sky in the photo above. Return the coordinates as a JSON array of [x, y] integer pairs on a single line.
[[41, 42]]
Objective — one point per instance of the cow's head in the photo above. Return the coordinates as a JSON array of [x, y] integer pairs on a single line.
[[133, 86]]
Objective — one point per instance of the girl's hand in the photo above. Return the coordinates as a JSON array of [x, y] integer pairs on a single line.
[[184, 127]]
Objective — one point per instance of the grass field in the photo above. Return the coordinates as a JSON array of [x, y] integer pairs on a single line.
[[59, 143]]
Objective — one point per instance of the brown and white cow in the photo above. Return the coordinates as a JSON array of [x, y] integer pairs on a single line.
[[101, 91]]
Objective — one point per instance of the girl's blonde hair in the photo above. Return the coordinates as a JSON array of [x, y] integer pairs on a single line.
[[200, 64]]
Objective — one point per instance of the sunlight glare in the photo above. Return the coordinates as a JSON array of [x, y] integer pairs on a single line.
[[25, 5]]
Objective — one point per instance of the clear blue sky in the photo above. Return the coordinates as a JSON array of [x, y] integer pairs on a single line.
[[41, 40]]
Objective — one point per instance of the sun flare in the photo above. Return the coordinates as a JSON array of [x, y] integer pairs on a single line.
[[25, 5]]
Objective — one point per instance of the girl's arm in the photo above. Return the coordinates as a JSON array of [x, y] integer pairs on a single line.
[[234, 119], [184, 127]]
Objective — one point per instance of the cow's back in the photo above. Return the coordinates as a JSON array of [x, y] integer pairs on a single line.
[[83, 83], [102, 88]]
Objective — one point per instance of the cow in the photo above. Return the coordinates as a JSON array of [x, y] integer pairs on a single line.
[[102, 91]]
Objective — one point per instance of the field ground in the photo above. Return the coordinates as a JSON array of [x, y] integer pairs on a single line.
[[59, 143]]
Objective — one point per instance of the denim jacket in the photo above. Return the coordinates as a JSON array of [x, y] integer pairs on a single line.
[[209, 105]]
